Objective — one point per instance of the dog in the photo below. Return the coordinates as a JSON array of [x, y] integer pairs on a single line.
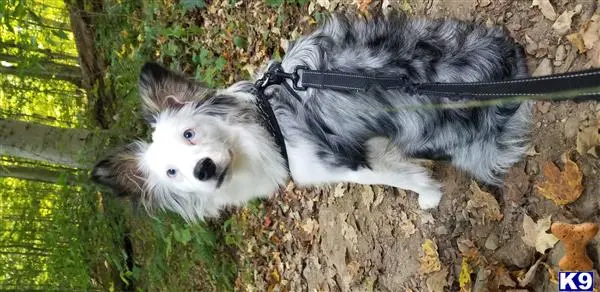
[[210, 148]]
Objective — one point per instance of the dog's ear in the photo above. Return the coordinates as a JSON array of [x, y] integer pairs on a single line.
[[120, 171], [161, 89]]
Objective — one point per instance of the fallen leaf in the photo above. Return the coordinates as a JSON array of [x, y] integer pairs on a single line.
[[363, 5], [577, 40], [527, 277], [484, 3], [561, 187], [437, 281], [330, 5], [481, 279], [310, 226], [563, 23], [546, 8], [349, 233], [535, 234], [464, 278], [465, 246], [483, 205], [588, 140], [594, 56], [590, 32], [340, 190], [503, 278], [430, 261], [311, 8], [552, 274], [544, 68], [367, 196], [407, 227], [379, 194]]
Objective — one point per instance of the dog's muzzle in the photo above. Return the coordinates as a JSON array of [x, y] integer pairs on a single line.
[[205, 169]]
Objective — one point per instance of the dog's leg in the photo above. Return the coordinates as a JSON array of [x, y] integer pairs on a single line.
[[388, 168], [406, 176]]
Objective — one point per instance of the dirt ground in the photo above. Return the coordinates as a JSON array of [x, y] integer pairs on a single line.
[[373, 238]]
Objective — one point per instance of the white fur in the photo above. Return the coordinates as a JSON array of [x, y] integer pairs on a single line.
[[243, 149]]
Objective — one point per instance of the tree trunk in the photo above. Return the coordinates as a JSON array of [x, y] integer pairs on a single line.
[[46, 52], [73, 77], [50, 145], [41, 174], [90, 59], [43, 65]]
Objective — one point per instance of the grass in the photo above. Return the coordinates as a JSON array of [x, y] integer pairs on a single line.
[[170, 254], [218, 43]]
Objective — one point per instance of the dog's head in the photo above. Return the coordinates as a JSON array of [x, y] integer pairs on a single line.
[[198, 147]]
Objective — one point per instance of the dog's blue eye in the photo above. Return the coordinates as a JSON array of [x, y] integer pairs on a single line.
[[171, 172], [188, 134]]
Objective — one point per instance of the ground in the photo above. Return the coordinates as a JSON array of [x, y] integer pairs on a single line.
[[374, 238]]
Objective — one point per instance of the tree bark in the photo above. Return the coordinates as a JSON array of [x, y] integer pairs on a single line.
[[73, 77], [46, 52], [41, 174], [75, 148]]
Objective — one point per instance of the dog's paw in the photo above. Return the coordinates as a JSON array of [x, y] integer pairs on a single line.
[[430, 199]]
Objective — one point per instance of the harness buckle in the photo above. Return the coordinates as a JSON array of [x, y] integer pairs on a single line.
[[296, 77]]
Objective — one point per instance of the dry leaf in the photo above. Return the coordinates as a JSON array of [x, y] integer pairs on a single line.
[[544, 68], [430, 261], [528, 277], [590, 32], [310, 226], [503, 278], [340, 190], [577, 40], [546, 8], [563, 22], [367, 196], [588, 140], [588, 35], [330, 5], [407, 227], [437, 281], [561, 187], [483, 205], [535, 234], [464, 278], [363, 5], [349, 233]]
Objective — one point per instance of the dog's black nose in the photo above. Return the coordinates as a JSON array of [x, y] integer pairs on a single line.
[[205, 169]]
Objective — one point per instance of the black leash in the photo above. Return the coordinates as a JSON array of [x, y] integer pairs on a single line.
[[578, 86]]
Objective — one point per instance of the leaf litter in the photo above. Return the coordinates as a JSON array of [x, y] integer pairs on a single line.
[[535, 234], [562, 187], [295, 211]]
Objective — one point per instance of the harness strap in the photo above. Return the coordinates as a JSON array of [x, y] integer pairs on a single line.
[[268, 119]]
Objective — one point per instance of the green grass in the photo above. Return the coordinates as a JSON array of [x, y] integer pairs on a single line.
[[169, 254]]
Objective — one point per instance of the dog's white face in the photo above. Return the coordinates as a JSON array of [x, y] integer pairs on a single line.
[[208, 149], [189, 153]]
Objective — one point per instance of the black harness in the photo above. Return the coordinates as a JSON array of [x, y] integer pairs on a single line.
[[577, 86]]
